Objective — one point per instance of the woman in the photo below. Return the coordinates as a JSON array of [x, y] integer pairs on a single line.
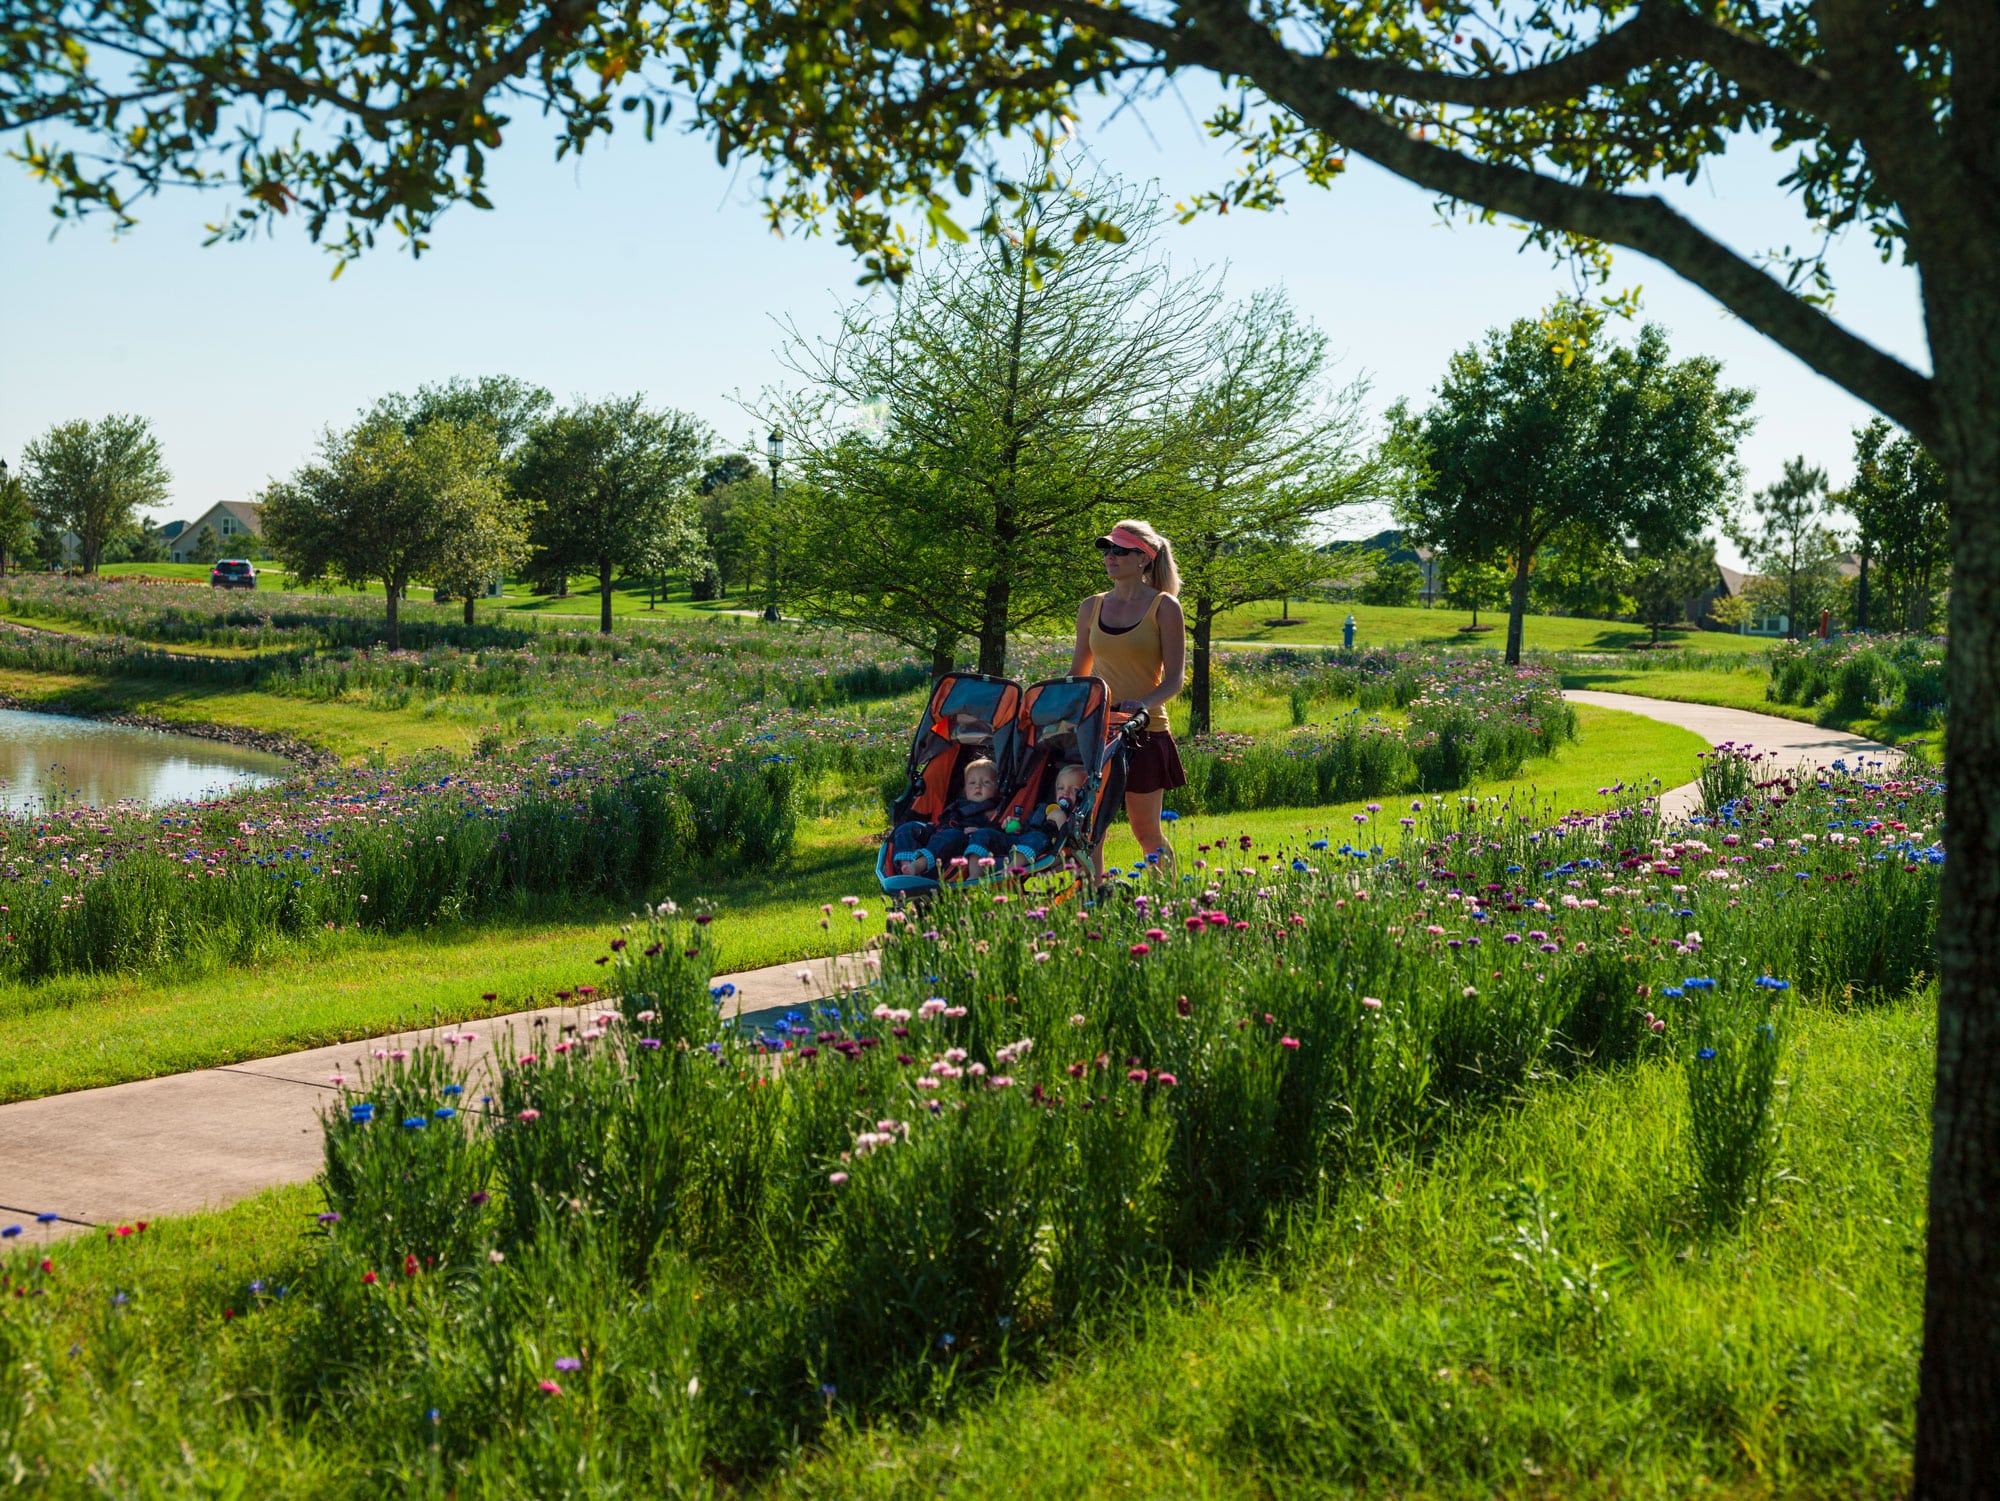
[[1134, 637]]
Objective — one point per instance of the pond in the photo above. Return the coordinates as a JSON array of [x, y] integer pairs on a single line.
[[55, 760]]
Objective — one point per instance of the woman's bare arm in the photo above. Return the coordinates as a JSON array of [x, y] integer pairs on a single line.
[[1082, 659], [1173, 653]]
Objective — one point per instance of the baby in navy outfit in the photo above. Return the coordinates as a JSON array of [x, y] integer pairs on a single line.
[[961, 829]]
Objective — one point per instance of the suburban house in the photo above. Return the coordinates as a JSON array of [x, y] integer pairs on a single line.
[[234, 523], [1396, 547], [1731, 582]]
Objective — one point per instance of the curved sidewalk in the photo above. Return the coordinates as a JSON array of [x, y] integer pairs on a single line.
[[1790, 742], [185, 1142]]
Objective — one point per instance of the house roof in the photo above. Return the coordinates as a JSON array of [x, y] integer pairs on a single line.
[[248, 514], [1733, 579]]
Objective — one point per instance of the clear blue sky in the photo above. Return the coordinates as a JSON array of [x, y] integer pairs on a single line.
[[649, 267]]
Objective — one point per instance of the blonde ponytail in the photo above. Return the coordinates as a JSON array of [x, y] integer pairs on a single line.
[[1161, 572]]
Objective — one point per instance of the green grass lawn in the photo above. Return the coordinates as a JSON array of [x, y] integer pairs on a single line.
[[633, 602], [1401, 1340], [1745, 688], [270, 573], [348, 728], [77, 1032], [1394, 626]]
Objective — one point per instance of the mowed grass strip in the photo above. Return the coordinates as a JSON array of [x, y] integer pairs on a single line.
[[1410, 1341], [1391, 626], [83, 1031]]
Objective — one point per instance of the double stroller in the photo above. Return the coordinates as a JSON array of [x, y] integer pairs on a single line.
[[1029, 734]]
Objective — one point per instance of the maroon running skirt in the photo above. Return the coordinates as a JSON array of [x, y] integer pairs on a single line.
[[1155, 765]]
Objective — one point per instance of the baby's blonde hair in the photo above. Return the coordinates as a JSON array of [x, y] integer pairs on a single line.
[[986, 761]]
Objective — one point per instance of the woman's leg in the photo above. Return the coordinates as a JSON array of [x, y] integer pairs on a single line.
[[1142, 811]]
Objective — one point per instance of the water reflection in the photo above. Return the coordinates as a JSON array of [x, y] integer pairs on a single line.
[[54, 760]]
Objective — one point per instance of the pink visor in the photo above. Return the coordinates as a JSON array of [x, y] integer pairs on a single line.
[[1124, 536]]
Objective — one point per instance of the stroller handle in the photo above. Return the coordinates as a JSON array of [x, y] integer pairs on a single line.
[[1136, 722]]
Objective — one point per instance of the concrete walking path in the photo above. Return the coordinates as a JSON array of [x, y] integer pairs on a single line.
[[1788, 742], [184, 1142], [200, 1140]]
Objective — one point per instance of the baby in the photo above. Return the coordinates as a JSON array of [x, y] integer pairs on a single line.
[[920, 848], [1041, 832]]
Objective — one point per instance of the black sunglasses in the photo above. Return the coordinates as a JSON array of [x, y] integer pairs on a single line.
[[1120, 552]]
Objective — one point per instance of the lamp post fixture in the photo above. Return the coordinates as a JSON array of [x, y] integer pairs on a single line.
[[775, 446]]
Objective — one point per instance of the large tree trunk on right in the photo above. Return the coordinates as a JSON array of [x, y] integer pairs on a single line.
[[1517, 607], [1958, 1396], [470, 601], [1200, 678], [604, 596]]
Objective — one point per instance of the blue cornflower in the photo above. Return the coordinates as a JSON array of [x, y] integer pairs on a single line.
[[1319, 844], [444, 1112], [48, 1217], [1694, 983], [1673, 990], [1169, 816], [454, 1089], [1705, 1054], [1767, 982], [1299, 865], [9, 1232], [415, 1123]]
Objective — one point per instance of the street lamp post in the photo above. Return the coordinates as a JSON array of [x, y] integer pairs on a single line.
[[775, 446]]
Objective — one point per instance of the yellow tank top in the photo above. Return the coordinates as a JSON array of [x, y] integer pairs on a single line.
[[1129, 661]]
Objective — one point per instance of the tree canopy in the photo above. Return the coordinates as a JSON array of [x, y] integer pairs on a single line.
[[384, 503], [1263, 450], [1017, 397], [612, 483], [1902, 515], [1784, 537], [91, 480], [1530, 439]]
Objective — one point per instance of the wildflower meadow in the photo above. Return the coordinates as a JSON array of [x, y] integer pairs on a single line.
[[649, 1249]]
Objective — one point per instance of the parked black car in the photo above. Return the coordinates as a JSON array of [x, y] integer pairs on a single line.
[[232, 573]]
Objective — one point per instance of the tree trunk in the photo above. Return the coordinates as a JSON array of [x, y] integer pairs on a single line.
[[604, 595], [944, 653], [1958, 1379], [1199, 678], [395, 633], [471, 601], [993, 622], [1861, 595], [1517, 606]]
